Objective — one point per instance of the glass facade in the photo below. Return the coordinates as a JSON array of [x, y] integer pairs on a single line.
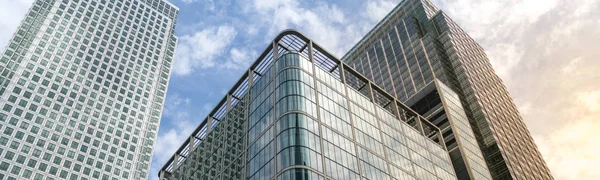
[[299, 113], [82, 85], [417, 44]]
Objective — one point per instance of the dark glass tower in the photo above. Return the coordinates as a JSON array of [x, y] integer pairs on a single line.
[[417, 53]]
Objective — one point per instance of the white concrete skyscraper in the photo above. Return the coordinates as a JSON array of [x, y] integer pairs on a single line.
[[82, 86]]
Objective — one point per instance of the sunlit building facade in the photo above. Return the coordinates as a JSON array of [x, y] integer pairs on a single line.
[[82, 85], [300, 113], [416, 54], [416, 98]]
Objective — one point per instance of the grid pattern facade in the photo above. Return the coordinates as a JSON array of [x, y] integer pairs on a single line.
[[301, 114], [417, 43], [82, 85]]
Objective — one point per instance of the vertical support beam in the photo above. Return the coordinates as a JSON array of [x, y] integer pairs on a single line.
[[400, 111], [209, 121], [250, 79], [342, 67], [397, 109], [275, 51], [310, 52], [371, 95], [246, 125], [175, 161], [227, 105], [275, 108], [191, 145], [441, 139], [420, 124]]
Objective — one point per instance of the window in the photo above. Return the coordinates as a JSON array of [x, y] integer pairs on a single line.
[[42, 167], [31, 163], [4, 166], [21, 159], [15, 170], [9, 155]]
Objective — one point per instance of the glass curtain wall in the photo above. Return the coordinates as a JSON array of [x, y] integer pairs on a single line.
[[303, 121]]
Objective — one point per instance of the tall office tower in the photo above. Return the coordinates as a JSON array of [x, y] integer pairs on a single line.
[[300, 113], [413, 53], [82, 84]]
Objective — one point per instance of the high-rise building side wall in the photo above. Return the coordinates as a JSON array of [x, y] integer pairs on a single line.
[[425, 45], [82, 86], [507, 144]]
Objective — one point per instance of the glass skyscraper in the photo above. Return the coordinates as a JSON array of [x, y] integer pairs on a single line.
[[300, 113], [416, 98], [82, 85], [417, 45]]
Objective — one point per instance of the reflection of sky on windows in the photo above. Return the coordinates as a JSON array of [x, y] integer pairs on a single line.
[[329, 133]]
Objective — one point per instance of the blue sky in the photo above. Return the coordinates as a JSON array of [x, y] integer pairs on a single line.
[[545, 51]]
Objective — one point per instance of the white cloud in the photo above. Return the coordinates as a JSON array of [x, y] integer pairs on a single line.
[[505, 56], [376, 10], [12, 12], [333, 14], [207, 4], [263, 5], [181, 122], [323, 22], [188, 1], [531, 10], [572, 66], [591, 100], [199, 50], [571, 152], [167, 143], [173, 105], [240, 58]]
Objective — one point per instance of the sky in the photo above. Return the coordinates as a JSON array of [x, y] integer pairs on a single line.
[[545, 51]]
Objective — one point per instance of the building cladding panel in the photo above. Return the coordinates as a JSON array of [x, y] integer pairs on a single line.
[[299, 113], [427, 45], [82, 85]]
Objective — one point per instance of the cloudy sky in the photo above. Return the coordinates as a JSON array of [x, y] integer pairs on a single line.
[[545, 51]]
